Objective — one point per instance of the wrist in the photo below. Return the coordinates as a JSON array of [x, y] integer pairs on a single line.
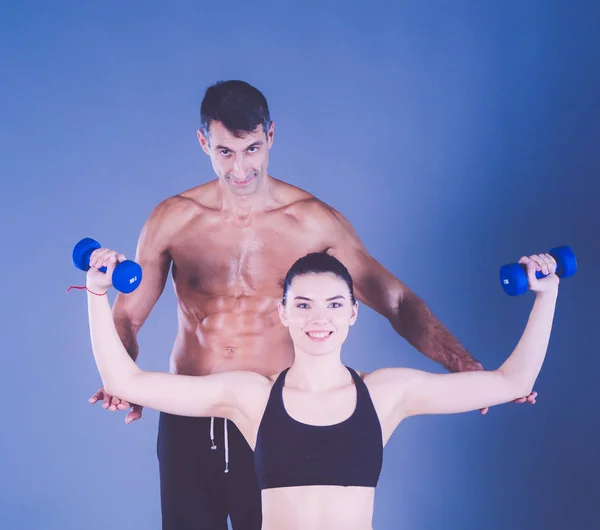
[[549, 296], [95, 289]]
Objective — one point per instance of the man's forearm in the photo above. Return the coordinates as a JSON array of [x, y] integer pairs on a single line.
[[128, 335], [416, 323]]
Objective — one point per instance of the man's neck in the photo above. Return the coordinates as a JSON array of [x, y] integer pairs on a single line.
[[244, 207]]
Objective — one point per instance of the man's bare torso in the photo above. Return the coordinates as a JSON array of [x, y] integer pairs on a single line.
[[228, 275]]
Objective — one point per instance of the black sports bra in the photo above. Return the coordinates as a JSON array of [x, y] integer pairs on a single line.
[[292, 453]]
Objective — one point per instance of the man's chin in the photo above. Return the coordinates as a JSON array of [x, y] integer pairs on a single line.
[[244, 187]]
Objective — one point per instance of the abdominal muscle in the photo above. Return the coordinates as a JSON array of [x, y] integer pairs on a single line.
[[221, 334], [318, 508]]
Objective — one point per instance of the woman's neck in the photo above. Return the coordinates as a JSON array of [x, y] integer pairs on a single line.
[[317, 372]]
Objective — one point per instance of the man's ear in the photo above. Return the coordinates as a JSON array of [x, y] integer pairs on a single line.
[[204, 142]]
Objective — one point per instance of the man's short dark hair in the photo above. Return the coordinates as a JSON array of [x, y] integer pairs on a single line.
[[239, 106]]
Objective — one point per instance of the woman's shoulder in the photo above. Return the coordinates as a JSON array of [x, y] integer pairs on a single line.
[[386, 376]]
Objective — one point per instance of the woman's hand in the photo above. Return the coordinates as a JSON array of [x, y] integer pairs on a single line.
[[100, 282], [545, 264]]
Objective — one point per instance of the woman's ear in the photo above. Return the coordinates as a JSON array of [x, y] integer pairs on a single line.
[[282, 315], [354, 314]]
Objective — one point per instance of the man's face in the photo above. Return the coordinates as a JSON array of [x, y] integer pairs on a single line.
[[240, 163]]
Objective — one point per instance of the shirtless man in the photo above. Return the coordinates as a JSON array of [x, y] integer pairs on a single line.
[[230, 242]]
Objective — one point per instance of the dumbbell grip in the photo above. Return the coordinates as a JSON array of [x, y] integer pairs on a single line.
[[513, 276], [88, 256], [127, 274]]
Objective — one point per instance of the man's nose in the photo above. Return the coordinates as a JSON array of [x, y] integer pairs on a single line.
[[239, 169]]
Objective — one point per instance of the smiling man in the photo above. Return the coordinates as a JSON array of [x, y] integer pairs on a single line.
[[230, 242]]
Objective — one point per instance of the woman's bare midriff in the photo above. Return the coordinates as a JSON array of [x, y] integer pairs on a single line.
[[331, 508]]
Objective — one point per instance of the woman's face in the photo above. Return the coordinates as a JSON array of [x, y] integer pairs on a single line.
[[318, 312]]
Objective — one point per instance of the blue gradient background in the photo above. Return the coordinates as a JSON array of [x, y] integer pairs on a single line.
[[454, 136]]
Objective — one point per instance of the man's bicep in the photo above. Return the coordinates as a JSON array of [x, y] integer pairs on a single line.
[[152, 254], [137, 305], [374, 285]]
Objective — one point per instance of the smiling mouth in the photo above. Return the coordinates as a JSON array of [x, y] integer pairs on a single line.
[[242, 182], [319, 336]]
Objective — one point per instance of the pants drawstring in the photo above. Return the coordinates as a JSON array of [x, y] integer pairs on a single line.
[[226, 447], [226, 437], [212, 434]]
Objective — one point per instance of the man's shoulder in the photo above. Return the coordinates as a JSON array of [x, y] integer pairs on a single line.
[[171, 215], [305, 205], [185, 204]]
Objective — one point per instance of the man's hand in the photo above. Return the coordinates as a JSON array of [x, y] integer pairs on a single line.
[[478, 366], [529, 399], [113, 403]]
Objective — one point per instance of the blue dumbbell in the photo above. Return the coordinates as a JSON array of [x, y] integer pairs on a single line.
[[513, 276], [127, 275]]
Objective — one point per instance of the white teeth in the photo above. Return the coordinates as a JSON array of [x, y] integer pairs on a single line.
[[318, 334]]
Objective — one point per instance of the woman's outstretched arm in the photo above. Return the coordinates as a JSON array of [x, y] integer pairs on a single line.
[[222, 395], [416, 392]]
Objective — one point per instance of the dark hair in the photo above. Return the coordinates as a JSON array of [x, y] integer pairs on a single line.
[[237, 105], [318, 262]]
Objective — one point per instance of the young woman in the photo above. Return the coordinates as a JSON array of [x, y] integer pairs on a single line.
[[318, 428]]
